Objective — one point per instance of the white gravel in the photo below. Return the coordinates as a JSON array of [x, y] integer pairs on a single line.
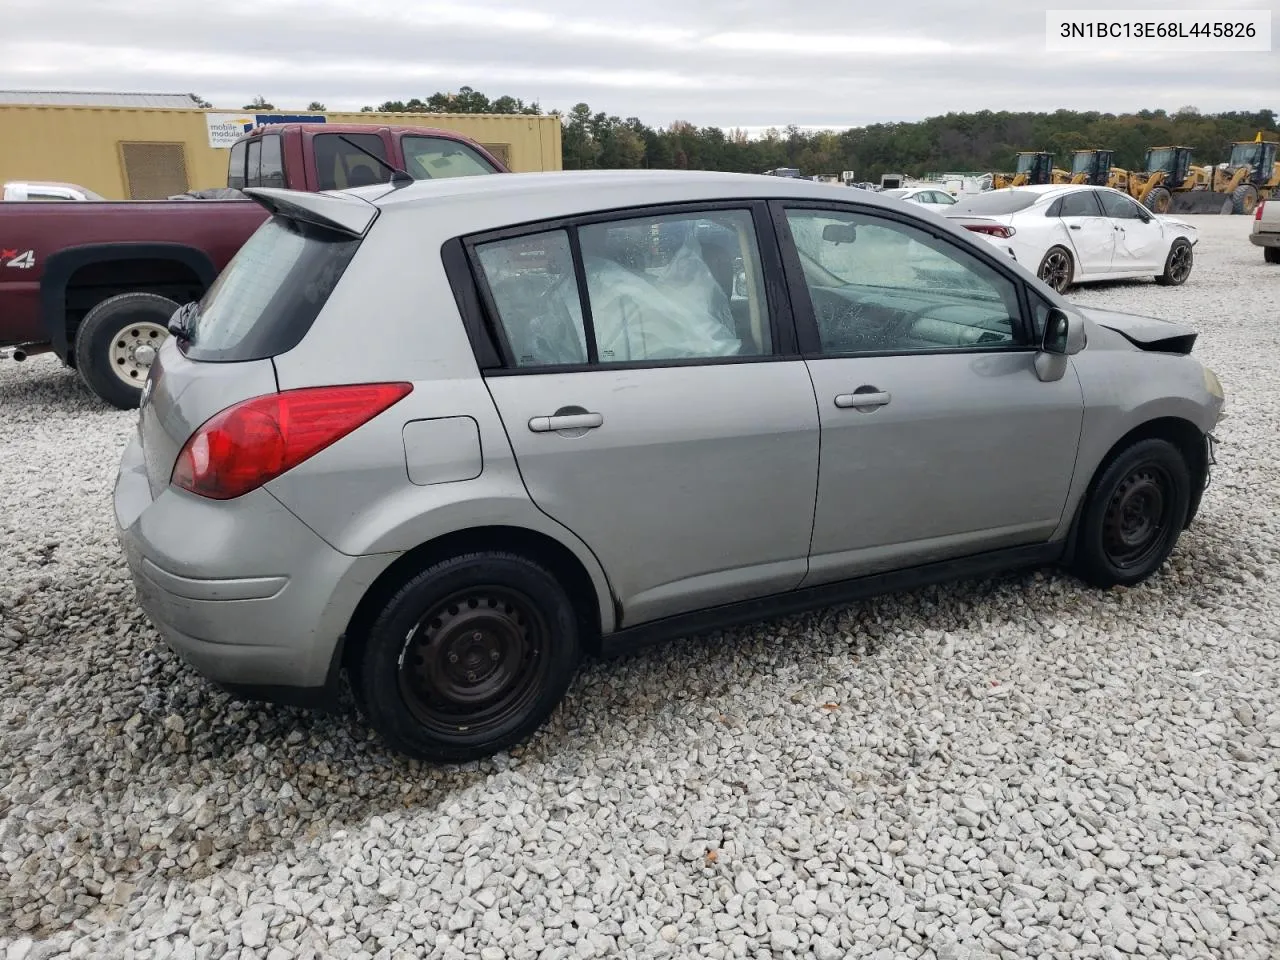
[[1017, 767]]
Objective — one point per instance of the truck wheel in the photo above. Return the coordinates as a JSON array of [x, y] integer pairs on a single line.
[[1244, 198], [1271, 254], [116, 342], [1157, 201]]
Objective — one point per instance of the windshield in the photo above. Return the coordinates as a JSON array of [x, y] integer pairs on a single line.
[[1161, 159], [1083, 162], [995, 202], [1245, 154], [1025, 162]]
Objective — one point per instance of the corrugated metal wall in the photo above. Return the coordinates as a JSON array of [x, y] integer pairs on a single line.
[[86, 145]]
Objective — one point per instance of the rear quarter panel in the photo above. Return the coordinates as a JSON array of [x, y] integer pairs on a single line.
[[393, 317]]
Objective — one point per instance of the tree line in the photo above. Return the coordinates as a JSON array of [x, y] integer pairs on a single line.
[[984, 140]]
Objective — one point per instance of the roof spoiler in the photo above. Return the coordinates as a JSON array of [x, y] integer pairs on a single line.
[[338, 211]]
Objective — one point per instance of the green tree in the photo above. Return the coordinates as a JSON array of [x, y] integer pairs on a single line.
[[315, 106], [200, 101], [259, 103]]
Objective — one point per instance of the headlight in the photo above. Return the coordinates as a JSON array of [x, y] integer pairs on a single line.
[[1212, 383]]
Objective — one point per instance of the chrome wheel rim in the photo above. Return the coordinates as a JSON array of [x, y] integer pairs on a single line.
[[133, 350], [1056, 270], [1180, 263]]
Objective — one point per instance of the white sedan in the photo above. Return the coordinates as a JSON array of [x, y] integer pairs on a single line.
[[1070, 234], [934, 199]]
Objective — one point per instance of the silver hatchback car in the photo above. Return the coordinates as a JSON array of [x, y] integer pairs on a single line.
[[449, 437]]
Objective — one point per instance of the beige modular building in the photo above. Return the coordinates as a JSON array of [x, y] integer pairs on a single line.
[[147, 152]]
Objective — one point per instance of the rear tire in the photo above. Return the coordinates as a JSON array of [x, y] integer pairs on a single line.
[[1057, 269], [1271, 254], [1244, 199], [469, 657], [1177, 265], [1133, 515], [1158, 200], [109, 341]]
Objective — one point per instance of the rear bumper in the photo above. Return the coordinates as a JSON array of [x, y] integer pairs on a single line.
[[242, 590], [1265, 239]]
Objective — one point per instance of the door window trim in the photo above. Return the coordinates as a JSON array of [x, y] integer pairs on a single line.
[[488, 336], [809, 337]]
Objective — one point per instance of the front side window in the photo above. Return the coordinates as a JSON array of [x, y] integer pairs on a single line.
[[435, 158], [1120, 207], [675, 287], [1081, 203], [881, 286], [253, 168], [340, 165]]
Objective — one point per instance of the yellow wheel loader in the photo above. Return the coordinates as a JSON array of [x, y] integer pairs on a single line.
[[1168, 184], [1092, 167], [1031, 168]]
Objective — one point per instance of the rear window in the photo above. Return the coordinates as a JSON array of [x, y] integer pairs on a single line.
[[995, 202], [265, 300]]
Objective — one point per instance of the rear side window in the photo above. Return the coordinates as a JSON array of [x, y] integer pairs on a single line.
[[235, 167], [266, 163], [340, 165], [265, 300], [435, 158]]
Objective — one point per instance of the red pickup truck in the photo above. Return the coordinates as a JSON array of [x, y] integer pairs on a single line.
[[95, 282]]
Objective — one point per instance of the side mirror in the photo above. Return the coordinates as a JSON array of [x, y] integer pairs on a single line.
[[1056, 325], [840, 232], [1051, 359]]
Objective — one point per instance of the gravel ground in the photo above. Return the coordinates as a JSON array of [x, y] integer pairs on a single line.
[[1016, 767]]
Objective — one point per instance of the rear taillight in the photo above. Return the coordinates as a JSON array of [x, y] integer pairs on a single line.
[[253, 442], [1257, 214], [995, 230]]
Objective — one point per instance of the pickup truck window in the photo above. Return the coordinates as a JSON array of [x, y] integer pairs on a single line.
[[235, 167], [266, 163], [434, 158], [340, 165], [252, 173]]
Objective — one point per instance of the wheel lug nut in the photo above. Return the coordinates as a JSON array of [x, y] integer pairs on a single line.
[[477, 636], [453, 658], [493, 654], [471, 675]]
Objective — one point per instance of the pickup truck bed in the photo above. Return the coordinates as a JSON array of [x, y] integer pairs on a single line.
[[1266, 229]]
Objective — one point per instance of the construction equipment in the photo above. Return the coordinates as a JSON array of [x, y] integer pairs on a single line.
[[1092, 167], [1250, 174], [1031, 167], [1167, 173]]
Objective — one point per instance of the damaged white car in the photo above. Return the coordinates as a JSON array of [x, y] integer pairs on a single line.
[[1069, 234]]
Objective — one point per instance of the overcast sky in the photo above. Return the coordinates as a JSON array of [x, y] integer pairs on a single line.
[[748, 63]]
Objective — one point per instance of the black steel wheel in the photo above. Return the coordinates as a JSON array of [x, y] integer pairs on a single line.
[[468, 658], [1133, 514], [1137, 516], [474, 659], [1057, 269], [1177, 265]]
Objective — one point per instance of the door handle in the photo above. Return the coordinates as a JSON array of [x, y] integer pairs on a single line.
[[1073, 226], [847, 400], [573, 421]]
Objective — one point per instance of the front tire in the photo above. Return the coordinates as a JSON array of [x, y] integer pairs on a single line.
[[116, 343], [1177, 265], [469, 657], [1057, 269], [1244, 199], [1133, 515], [1158, 200]]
